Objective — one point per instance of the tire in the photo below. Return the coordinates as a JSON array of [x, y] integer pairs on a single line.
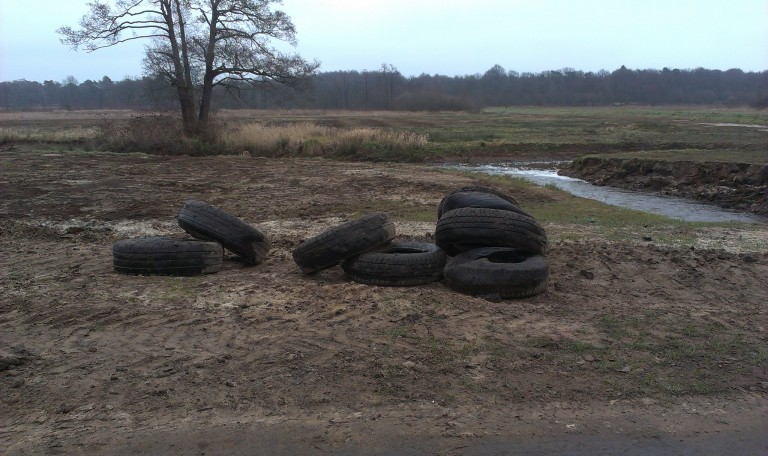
[[469, 228], [206, 222], [457, 200], [165, 256], [344, 241], [400, 264], [508, 273], [447, 199]]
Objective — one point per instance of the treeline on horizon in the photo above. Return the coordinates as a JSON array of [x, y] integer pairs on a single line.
[[387, 89]]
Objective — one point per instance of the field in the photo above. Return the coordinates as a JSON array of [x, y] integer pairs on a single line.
[[499, 133], [651, 330]]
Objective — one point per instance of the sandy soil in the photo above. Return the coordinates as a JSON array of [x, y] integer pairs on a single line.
[[93, 362]]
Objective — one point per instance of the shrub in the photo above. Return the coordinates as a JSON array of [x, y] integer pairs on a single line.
[[159, 133]]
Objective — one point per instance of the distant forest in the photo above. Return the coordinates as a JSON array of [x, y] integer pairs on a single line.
[[387, 89]]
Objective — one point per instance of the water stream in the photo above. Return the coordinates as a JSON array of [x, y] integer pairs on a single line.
[[544, 173]]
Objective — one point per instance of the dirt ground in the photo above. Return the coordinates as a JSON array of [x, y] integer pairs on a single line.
[[94, 362]]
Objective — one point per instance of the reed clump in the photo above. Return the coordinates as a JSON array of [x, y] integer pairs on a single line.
[[313, 139]]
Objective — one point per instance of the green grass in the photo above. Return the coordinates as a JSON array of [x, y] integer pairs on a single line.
[[657, 352], [759, 157], [651, 347], [582, 211], [649, 354], [614, 129], [713, 114], [399, 331]]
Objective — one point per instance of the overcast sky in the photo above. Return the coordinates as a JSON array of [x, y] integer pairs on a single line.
[[449, 37]]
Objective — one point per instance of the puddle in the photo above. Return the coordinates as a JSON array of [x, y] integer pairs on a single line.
[[545, 173]]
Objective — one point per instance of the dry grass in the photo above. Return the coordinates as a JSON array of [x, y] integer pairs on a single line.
[[311, 139], [34, 134], [31, 117]]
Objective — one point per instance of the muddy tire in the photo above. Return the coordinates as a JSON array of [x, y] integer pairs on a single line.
[[349, 239], [498, 271], [458, 200], [206, 222], [399, 264], [165, 256], [450, 201], [470, 228]]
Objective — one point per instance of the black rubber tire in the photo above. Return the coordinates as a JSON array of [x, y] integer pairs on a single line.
[[457, 200], [447, 199], [166, 256], [203, 221], [349, 239], [470, 228], [399, 264], [508, 273]]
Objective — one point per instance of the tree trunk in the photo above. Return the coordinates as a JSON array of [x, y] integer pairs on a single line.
[[184, 77], [188, 117], [205, 102], [205, 99]]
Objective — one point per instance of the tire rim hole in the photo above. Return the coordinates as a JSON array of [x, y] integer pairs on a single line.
[[512, 256], [404, 250]]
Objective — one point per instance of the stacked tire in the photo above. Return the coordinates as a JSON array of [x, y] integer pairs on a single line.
[[498, 249], [365, 249], [209, 223], [212, 231]]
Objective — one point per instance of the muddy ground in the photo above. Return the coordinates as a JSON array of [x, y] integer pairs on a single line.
[[94, 362]]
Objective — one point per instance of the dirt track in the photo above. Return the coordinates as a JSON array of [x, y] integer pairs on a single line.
[[94, 357]]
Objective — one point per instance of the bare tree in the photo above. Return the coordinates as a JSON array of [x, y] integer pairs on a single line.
[[196, 45]]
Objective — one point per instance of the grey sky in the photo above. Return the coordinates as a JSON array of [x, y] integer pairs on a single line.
[[450, 37]]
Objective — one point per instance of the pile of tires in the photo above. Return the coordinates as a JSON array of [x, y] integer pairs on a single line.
[[497, 248], [212, 231], [365, 249]]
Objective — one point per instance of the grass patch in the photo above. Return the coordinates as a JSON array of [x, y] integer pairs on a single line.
[[582, 211], [581, 347], [757, 157], [656, 352], [579, 219], [399, 331], [492, 350]]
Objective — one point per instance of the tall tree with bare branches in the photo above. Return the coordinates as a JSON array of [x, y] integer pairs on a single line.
[[196, 45]]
